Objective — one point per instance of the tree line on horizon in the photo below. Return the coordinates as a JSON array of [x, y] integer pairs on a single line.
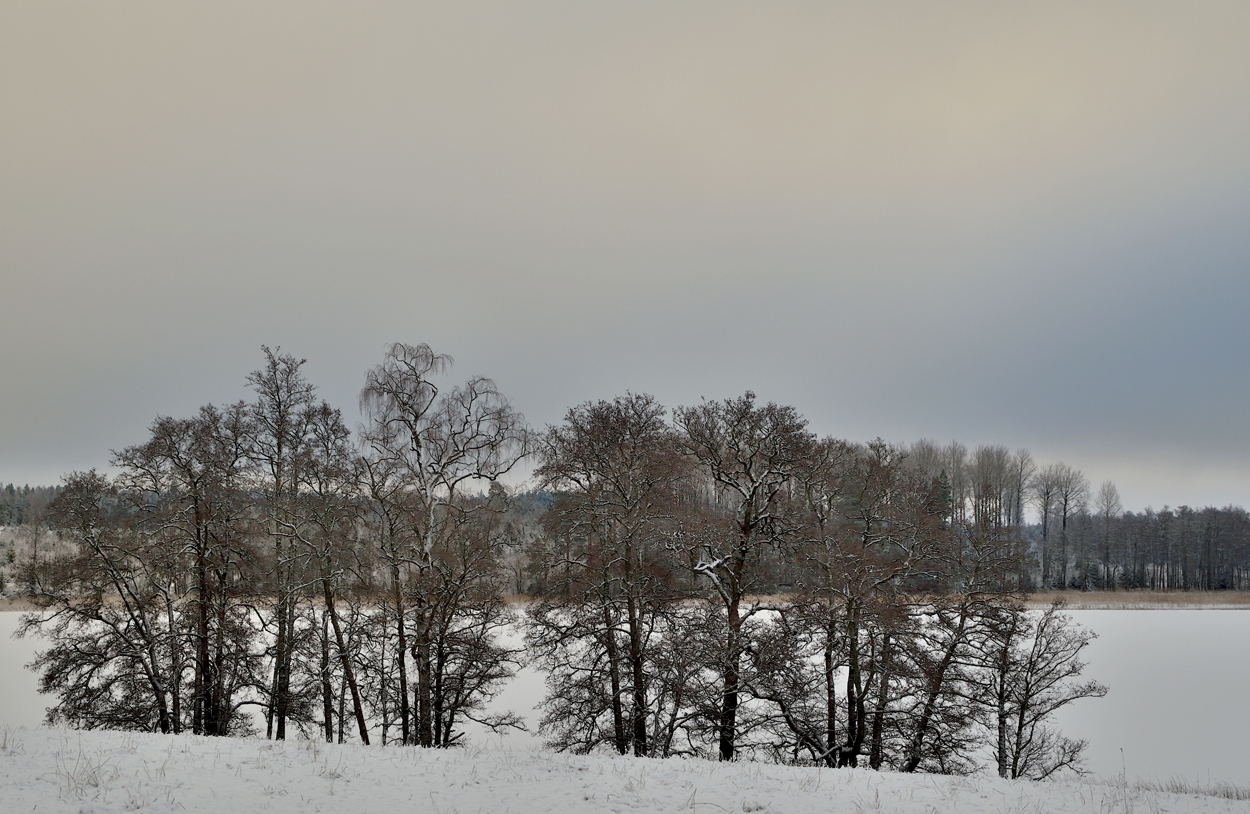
[[1075, 538], [20, 505], [714, 580]]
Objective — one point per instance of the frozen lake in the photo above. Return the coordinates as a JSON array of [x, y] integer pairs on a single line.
[[1180, 694], [1179, 701]]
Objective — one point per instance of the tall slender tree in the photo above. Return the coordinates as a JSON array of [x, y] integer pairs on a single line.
[[281, 416]]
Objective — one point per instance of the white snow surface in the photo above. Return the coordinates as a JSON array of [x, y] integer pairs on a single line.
[[102, 772]]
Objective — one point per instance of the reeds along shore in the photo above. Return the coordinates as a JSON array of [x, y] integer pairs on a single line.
[[1143, 600]]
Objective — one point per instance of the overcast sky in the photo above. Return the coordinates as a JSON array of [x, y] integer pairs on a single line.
[[1025, 224]]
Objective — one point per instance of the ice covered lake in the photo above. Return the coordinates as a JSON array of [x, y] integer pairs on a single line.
[[1179, 703]]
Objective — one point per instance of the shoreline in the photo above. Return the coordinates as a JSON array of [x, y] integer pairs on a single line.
[[1144, 600]]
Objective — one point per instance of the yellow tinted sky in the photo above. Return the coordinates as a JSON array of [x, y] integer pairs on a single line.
[[993, 222]]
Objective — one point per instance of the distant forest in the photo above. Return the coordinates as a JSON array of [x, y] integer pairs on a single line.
[[710, 581], [24, 504], [1085, 540], [1180, 549]]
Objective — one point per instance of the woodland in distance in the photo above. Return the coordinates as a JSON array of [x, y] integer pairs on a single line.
[[707, 581]]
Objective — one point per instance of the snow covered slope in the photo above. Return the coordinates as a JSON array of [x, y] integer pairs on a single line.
[[98, 772]]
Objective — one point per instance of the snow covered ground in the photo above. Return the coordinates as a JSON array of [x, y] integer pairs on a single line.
[[1143, 728], [101, 772]]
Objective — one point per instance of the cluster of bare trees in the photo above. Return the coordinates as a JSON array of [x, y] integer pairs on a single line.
[[996, 487], [23, 525], [255, 559], [23, 504], [1081, 538], [1170, 549], [729, 584], [714, 580]]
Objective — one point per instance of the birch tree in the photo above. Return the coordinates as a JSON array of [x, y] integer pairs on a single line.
[[440, 446]]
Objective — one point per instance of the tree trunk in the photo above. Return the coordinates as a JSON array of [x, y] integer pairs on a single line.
[[729, 699], [883, 699], [619, 733], [327, 691], [855, 711], [831, 697], [348, 674], [282, 678], [1063, 550], [1003, 669], [425, 686], [915, 751], [639, 681], [401, 659]]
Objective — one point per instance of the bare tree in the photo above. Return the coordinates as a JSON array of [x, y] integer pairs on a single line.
[[1033, 672], [723, 584], [1044, 491], [326, 512], [390, 523], [1108, 506], [974, 570], [868, 522], [1020, 472], [32, 530], [617, 470], [185, 487], [153, 588], [955, 468], [1071, 495], [990, 473], [750, 455], [280, 414], [439, 446], [112, 662]]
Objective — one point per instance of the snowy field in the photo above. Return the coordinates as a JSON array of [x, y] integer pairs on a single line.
[[1178, 709], [103, 772]]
